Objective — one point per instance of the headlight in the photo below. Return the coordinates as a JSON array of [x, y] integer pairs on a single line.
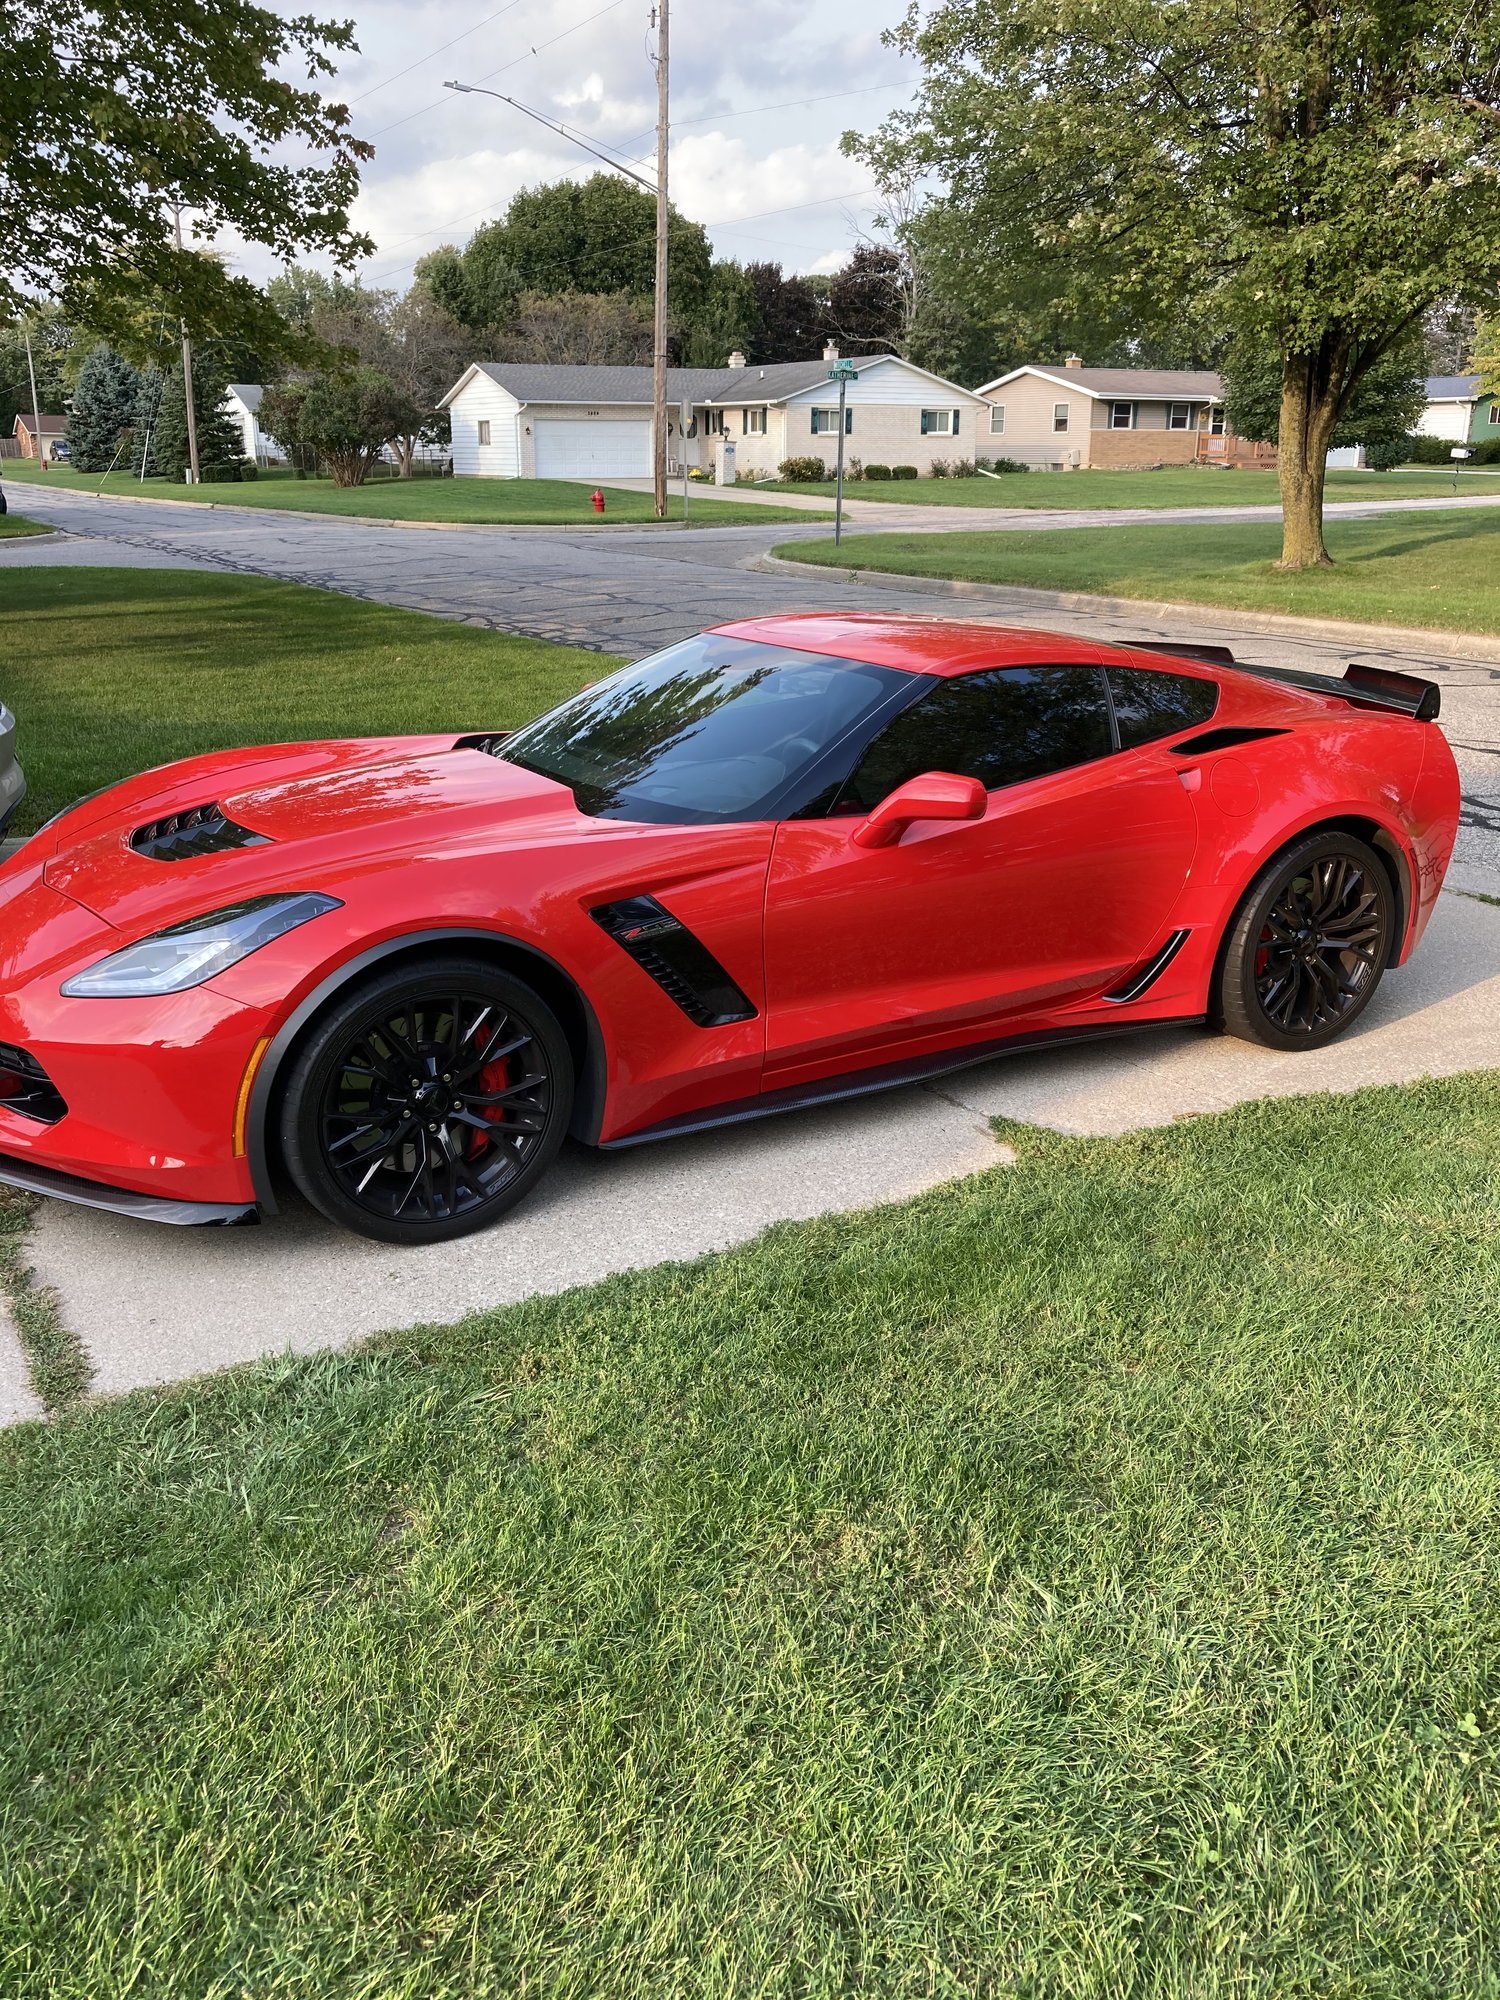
[[186, 954]]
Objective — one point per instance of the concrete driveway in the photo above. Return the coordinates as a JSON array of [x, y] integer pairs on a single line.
[[156, 1304]]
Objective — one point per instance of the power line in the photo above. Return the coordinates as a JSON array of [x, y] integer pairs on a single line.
[[510, 9], [536, 51], [754, 110]]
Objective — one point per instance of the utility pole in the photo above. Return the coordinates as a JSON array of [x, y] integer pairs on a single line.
[[659, 352], [36, 408], [187, 375]]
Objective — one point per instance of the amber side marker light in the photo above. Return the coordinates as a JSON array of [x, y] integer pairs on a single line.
[[242, 1102]]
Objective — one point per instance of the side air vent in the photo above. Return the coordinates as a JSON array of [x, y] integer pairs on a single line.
[[25, 1087], [489, 744], [681, 964], [1140, 982], [201, 830], [1222, 739]]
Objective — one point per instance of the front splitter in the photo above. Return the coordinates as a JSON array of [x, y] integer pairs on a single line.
[[122, 1201]]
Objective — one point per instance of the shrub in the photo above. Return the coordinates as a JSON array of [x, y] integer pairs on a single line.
[[877, 472], [1001, 465], [1427, 450], [249, 469], [854, 469], [903, 472], [219, 475], [1487, 453], [963, 468], [938, 469], [801, 470]]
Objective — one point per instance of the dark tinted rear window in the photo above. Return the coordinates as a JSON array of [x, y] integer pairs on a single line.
[[1149, 704], [1001, 727]]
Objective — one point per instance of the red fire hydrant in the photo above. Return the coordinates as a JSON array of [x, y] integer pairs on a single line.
[[597, 497]]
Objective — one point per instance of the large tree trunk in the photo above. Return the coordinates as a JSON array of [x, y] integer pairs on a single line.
[[1312, 391]]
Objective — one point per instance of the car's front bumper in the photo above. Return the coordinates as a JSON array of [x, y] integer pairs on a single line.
[[119, 1201]]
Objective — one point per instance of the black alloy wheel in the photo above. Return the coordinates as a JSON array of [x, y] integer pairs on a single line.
[[1309, 944], [428, 1102]]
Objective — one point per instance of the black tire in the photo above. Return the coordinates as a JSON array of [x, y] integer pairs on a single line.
[[1308, 945], [427, 1102]]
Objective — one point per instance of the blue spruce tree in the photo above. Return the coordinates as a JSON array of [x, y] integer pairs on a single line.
[[103, 409]]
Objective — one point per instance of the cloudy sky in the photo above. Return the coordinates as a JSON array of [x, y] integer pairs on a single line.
[[760, 96]]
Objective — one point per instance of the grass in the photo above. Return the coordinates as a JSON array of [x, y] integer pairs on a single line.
[[1079, 1582], [1171, 487], [553, 502], [1439, 570], [113, 671], [13, 526]]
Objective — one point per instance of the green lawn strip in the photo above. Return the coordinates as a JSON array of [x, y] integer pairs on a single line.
[[1171, 487], [1080, 1581], [113, 671], [1439, 570], [13, 526], [555, 502], [56, 1359]]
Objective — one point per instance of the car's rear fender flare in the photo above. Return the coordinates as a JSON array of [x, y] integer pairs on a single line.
[[528, 962]]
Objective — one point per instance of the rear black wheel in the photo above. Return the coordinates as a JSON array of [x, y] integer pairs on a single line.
[[1309, 944], [428, 1102]]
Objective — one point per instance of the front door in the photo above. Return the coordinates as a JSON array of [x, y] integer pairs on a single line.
[[960, 931]]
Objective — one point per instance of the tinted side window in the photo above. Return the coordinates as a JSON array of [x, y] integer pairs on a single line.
[[1148, 704], [1001, 727]]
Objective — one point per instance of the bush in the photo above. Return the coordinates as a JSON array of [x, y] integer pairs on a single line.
[[854, 469], [1000, 465], [1427, 451], [903, 472], [219, 475], [802, 470], [938, 469], [1487, 453], [963, 468], [877, 472], [249, 469]]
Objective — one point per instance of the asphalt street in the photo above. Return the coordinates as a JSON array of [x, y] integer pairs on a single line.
[[155, 1304]]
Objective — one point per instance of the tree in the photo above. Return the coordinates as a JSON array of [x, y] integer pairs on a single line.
[[51, 344], [349, 420], [611, 332], [1311, 173], [429, 350], [103, 409], [148, 402], [867, 302], [728, 319], [1381, 414], [114, 106], [792, 322], [219, 439]]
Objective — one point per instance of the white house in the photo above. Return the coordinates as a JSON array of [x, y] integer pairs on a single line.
[[514, 420], [243, 403], [1452, 401]]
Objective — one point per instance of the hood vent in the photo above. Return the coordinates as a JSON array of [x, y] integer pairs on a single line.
[[489, 743], [201, 830]]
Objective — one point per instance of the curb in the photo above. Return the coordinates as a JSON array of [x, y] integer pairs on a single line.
[[449, 527], [1413, 638]]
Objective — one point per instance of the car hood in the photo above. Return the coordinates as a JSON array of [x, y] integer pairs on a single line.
[[298, 820]]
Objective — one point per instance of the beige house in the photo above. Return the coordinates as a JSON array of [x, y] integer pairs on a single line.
[[1072, 416], [556, 421]]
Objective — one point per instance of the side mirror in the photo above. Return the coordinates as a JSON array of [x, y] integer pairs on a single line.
[[934, 795]]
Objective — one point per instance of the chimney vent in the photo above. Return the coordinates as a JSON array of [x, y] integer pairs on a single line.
[[1073, 361], [736, 360], [831, 350]]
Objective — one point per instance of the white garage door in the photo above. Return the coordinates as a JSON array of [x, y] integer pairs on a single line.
[[593, 451]]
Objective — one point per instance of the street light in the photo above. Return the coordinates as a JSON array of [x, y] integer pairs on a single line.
[[842, 372]]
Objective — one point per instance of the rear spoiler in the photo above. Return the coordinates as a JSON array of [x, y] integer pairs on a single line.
[[1373, 687]]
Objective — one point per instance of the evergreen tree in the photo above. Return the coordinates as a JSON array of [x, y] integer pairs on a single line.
[[147, 409], [103, 407], [219, 438]]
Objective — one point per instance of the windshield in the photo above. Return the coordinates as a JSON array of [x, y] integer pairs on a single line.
[[713, 729]]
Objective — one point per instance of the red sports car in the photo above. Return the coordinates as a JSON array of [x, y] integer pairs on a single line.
[[789, 860]]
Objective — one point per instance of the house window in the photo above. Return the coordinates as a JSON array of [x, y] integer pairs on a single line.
[[828, 420], [753, 423], [1122, 416], [940, 423], [997, 419], [1178, 416], [1216, 421], [484, 430], [1059, 416], [1494, 414]]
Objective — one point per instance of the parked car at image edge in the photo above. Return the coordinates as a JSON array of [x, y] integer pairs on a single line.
[[790, 859]]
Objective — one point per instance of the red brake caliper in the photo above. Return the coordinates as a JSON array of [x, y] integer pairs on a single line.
[[494, 1076]]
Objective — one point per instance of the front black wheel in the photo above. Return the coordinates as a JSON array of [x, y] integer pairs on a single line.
[[1309, 944], [427, 1102]]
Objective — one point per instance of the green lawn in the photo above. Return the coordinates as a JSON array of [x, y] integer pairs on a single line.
[[1172, 487], [111, 671], [14, 525], [558, 502], [1441, 570], [1080, 1582]]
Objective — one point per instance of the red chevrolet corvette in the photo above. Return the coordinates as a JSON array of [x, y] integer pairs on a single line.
[[789, 860]]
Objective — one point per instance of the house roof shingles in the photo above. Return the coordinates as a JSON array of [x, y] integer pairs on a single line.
[[51, 426], [1452, 388], [1181, 384], [540, 382]]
